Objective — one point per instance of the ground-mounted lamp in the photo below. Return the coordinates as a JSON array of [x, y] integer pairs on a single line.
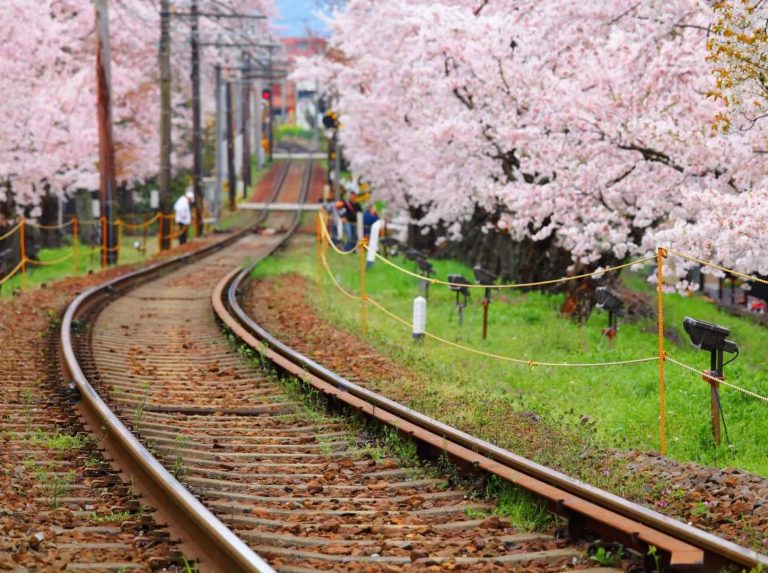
[[459, 285], [609, 301], [427, 271], [714, 339], [391, 246], [414, 255], [486, 278]]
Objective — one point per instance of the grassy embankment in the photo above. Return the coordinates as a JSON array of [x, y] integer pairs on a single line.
[[608, 406]]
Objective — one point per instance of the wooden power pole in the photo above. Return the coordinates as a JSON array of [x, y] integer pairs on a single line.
[[197, 143], [232, 182], [165, 121], [108, 180], [246, 127]]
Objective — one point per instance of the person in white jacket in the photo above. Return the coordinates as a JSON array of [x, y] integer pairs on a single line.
[[183, 209]]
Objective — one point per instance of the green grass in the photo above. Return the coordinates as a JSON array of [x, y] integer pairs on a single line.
[[294, 131], [59, 441], [608, 407], [88, 259]]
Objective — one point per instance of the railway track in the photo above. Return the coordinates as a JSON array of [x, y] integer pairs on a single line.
[[238, 465]]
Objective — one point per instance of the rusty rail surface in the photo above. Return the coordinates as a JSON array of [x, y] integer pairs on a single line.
[[587, 508], [211, 539]]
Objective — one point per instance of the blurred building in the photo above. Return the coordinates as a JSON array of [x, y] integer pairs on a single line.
[[298, 104]]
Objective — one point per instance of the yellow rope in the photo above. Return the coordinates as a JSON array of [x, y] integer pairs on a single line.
[[723, 382], [514, 285], [334, 281], [171, 236], [48, 227], [11, 232], [518, 285], [10, 275], [718, 267], [49, 263], [481, 352], [510, 359], [334, 247], [141, 225]]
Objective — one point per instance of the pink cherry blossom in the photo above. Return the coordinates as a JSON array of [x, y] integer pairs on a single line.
[[584, 121]]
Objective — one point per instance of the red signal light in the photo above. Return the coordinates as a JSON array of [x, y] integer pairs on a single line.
[[266, 95]]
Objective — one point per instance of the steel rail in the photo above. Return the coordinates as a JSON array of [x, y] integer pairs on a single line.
[[585, 506], [200, 529]]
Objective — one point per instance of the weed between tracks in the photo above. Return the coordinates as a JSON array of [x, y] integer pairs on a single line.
[[138, 410], [54, 485]]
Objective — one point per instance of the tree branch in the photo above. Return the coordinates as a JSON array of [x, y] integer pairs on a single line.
[[652, 155]]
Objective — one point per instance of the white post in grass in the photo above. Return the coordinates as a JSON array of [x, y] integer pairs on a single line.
[[373, 242], [419, 318]]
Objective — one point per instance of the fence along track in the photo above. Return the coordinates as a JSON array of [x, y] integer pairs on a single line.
[[586, 507], [292, 488]]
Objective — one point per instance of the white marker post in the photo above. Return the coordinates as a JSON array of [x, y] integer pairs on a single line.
[[419, 318], [359, 225], [373, 242]]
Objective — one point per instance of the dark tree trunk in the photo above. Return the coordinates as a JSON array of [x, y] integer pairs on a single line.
[[89, 228], [524, 261], [50, 217], [418, 239]]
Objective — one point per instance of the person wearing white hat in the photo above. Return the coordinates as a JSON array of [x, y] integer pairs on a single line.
[[183, 209]]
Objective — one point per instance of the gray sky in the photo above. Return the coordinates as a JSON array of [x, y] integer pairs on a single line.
[[296, 16]]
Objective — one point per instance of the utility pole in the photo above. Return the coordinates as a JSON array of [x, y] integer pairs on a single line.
[[230, 148], [220, 133], [246, 123], [165, 121], [271, 84], [259, 123], [108, 180], [197, 142]]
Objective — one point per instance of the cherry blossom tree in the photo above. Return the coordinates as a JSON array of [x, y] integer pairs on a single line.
[[738, 52], [48, 123], [575, 133]]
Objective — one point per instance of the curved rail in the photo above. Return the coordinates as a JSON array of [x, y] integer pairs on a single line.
[[209, 536], [585, 506]]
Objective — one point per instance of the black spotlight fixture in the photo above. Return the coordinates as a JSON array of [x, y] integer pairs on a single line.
[[714, 339], [414, 255], [459, 285], [426, 271], [391, 246], [486, 278], [609, 301]]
